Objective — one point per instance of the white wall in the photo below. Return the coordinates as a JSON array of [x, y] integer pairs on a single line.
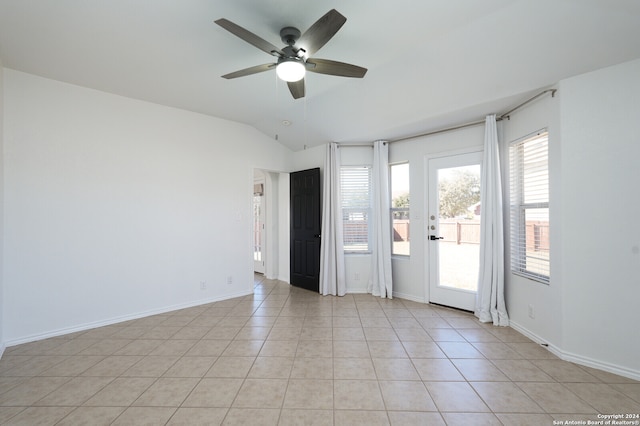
[[115, 208], [2, 322], [546, 300], [283, 228], [273, 218], [310, 159], [588, 312], [600, 115]]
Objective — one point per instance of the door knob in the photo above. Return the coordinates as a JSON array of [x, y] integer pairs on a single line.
[[433, 238]]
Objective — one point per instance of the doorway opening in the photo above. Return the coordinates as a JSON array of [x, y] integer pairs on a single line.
[[258, 225], [270, 224]]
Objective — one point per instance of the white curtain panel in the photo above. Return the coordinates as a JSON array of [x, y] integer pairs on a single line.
[[490, 305], [381, 283], [332, 275]]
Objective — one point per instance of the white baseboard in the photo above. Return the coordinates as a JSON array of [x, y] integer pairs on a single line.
[[576, 358], [408, 297], [116, 320], [601, 365]]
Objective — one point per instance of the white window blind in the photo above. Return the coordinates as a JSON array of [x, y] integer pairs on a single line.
[[355, 184], [529, 204]]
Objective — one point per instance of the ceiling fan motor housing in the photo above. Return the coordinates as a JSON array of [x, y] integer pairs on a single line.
[[289, 35]]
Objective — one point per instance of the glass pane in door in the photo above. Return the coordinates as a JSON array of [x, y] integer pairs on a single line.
[[459, 225]]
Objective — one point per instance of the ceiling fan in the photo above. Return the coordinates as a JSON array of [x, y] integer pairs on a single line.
[[294, 59]]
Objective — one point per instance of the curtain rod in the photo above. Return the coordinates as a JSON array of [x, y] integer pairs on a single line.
[[358, 144], [506, 114], [354, 144], [477, 123]]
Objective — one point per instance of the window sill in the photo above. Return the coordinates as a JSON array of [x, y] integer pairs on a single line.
[[533, 277]]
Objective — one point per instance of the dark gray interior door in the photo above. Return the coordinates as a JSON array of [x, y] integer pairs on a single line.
[[305, 229]]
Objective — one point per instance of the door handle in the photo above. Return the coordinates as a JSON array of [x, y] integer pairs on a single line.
[[433, 238], [318, 235]]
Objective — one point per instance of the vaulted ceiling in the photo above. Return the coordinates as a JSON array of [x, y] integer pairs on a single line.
[[431, 63]]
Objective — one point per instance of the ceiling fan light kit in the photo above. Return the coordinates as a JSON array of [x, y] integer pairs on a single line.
[[290, 70], [294, 59]]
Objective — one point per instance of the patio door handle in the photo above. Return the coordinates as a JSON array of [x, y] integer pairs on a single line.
[[433, 238]]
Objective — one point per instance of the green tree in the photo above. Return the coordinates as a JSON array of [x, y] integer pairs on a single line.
[[400, 202], [459, 193]]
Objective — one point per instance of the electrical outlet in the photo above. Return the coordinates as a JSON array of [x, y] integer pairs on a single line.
[[229, 280], [203, 285], [532, 313]]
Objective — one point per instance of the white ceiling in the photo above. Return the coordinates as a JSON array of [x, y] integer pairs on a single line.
[[432, 63]]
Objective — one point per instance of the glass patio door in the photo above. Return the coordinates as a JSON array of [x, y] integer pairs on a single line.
[[454, 229]]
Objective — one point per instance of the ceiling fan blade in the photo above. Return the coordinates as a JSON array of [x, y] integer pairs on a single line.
[[321, 32], [296, 88], [249, 37], [249, 71], [326, 66]]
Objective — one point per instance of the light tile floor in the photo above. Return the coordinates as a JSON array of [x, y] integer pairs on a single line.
[[290, 357]]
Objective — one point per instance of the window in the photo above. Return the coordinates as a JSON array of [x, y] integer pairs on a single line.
[[529, 193], [400, 209], [355, 185]]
